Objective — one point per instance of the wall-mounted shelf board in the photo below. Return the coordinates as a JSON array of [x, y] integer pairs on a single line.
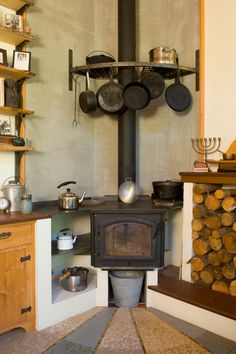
[[208, 177], [8, 147], [11, 111], [15, 4], [15, 74], [14, 37]]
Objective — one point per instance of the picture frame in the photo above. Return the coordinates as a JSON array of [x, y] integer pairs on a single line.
[[6, 127], [3, 56], [13, 22], [21, 60]]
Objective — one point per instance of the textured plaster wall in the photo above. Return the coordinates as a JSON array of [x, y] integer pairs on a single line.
[[163, 136], [63, 152], [88, 154]]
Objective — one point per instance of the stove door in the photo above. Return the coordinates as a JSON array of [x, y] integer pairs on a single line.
[[120, 240]]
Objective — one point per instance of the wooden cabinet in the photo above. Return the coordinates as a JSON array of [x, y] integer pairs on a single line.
[[17, 303]]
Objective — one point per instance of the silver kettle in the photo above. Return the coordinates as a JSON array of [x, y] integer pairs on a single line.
[[13, 191], [69, 200], [127, 191]]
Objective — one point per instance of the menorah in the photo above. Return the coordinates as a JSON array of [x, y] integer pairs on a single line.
[[205, 146]]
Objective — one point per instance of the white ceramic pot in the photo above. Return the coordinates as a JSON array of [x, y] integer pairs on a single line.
[[65, 239]]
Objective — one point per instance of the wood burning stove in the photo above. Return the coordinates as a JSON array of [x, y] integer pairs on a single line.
[[127, 239]]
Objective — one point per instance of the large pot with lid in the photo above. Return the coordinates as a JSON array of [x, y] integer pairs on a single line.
[[69, 200], [168, 189], [74, 279], [13, 191]]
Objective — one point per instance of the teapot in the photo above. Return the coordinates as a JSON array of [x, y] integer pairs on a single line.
[[69, 200], [65, 239], [127, 191]]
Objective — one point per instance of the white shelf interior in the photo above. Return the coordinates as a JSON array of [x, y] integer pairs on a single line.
[[59, 294]]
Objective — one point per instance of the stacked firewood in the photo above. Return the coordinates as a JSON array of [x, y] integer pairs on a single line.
[[214, 238]]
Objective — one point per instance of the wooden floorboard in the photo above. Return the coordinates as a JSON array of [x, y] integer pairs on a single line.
[[205, 298]]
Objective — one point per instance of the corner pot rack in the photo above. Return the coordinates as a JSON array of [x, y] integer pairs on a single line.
[[102, 70]]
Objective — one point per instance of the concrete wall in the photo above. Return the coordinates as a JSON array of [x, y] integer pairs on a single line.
[[88, 154]]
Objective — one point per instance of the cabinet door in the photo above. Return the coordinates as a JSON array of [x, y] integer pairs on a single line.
[[16, 290]]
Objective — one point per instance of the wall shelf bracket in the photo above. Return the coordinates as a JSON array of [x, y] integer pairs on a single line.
[[22, 9], [197, 65], [21, 45], [70, 65], [18, 155]]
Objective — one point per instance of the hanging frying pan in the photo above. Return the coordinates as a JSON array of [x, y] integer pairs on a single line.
[[154, 82], [178, 96], [109, 97], [88, 99], [136, 95]]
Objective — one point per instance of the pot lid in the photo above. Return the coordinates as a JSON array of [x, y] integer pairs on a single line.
[[167, 182], [68, 193], [65, 237]]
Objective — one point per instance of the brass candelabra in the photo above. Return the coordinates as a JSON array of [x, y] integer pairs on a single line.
[[205, 146]]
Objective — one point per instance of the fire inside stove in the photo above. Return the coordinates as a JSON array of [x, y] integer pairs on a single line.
[[127, 241]]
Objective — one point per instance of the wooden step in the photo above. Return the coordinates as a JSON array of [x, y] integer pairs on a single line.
[[224, 305]]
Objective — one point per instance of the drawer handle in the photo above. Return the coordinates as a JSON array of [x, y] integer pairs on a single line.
[[25, 258], [4, 235], [26, 309]]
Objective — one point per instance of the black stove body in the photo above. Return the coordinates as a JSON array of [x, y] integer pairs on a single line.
[[129, 237]]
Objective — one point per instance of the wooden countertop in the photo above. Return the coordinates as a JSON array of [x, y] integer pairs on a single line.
[[19, 217], [46, 209]]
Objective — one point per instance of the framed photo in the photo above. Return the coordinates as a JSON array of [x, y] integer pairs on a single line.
[[6, 127], [14, 22], [3, 56], [21, 60]]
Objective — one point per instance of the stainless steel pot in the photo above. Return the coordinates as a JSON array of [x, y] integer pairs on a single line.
[[69, 200], [74, 279], [164, 55]]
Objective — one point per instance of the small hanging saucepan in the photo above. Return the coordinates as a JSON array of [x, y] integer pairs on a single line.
[[136, 95], [88, 99], [178, 96], [154, 82], [109, 97], [97, 57]]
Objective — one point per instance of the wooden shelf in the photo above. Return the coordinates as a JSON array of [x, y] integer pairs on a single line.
[[81, 246], [15, 74], [210, 300], [7, 147], [209, 177], [8, 111], [15, 4], [14, 37]]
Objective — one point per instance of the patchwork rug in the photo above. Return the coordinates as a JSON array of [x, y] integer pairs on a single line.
[[121, 331]]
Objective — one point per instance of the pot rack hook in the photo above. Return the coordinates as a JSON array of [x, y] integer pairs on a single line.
[[75, 121]]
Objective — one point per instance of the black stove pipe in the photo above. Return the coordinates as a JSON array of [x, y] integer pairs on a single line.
[[126, 120]]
